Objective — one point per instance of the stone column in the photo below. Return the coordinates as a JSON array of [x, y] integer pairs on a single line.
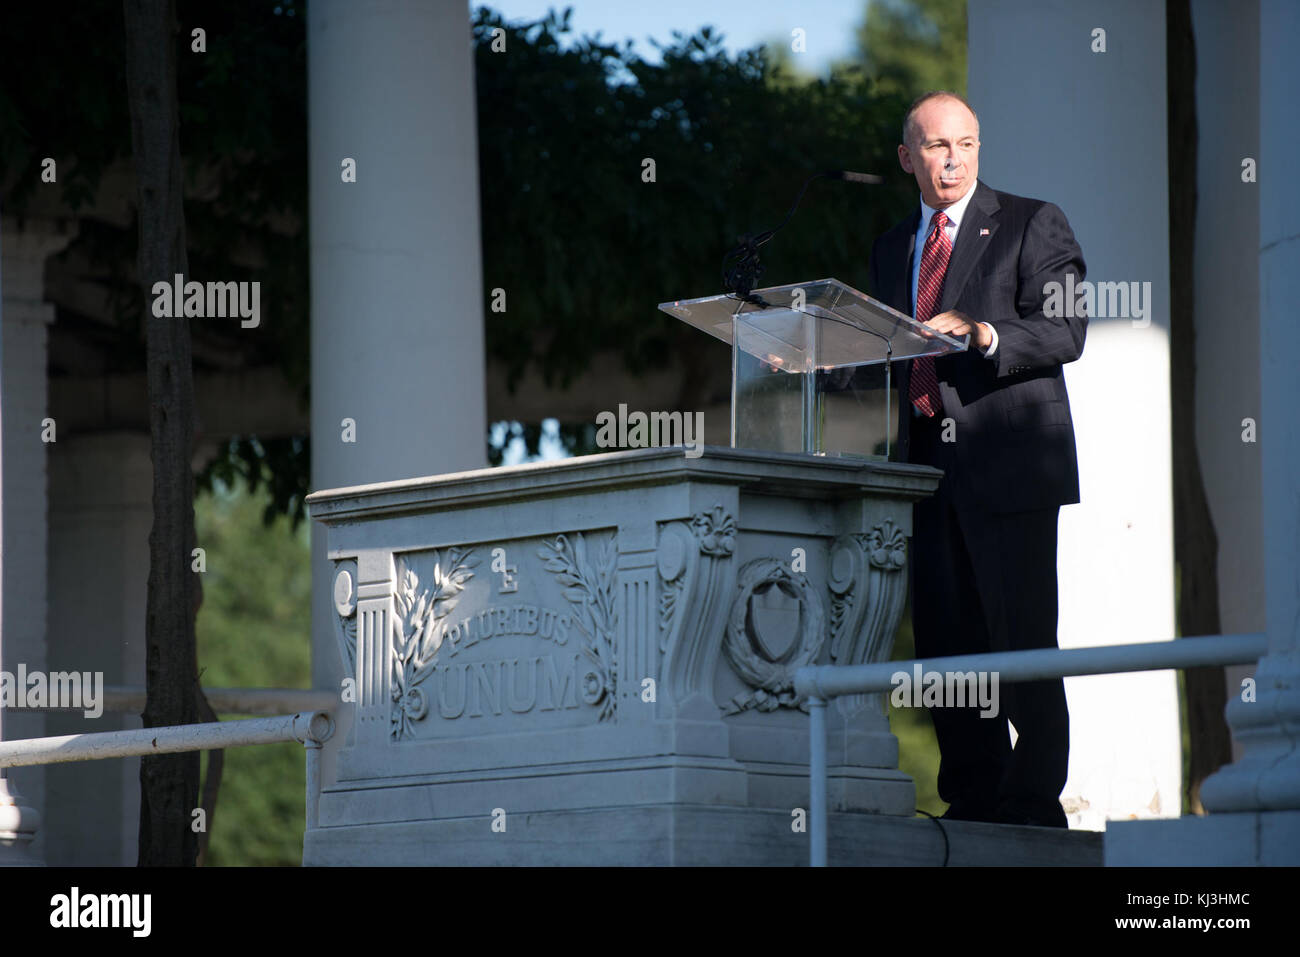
[[1088, 134], [25, 316], [101, 510], [1227, 353], [1255, 801], [397, 316], [1267, 778]]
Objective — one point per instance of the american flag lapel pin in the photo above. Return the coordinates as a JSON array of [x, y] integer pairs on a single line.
[[984, 232]]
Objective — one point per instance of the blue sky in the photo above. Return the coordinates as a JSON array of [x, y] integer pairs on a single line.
[[829, 25]]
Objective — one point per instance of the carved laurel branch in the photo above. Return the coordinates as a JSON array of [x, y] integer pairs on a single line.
[[589, 587], [417, 631], [772, 680]]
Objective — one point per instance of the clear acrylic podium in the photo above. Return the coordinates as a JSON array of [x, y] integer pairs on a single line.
[[794, 346]]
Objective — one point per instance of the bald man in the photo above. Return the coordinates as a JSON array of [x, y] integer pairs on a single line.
[[974, 261]]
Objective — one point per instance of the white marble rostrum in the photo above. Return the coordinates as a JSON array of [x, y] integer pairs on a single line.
[[591, 661]]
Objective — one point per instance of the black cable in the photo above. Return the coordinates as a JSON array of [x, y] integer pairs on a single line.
[[942, 830]]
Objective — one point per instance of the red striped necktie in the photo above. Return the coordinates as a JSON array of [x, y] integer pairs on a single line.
[[924, 384]]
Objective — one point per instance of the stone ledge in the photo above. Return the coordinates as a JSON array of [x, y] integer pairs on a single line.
[[1261, 839], [694, 836], [771, 473]]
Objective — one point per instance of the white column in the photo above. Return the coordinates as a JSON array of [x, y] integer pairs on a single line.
[[1227, 306], [1267, 777], [25, 317], [1086, 131], [397, 315], [1255, 801], [101, 510]]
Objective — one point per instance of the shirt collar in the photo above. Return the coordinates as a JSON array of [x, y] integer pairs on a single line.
[[954, 212]]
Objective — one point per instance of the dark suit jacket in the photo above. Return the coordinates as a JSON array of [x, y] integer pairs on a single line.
[[1014, 447]]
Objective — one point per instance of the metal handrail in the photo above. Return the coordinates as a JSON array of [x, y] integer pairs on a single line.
[[310, 728], [820, 683], [130, 699]]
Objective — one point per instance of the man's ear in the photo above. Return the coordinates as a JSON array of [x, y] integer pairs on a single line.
[[905, 159]]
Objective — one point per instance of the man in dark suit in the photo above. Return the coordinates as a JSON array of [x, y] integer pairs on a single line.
[[996, 418]]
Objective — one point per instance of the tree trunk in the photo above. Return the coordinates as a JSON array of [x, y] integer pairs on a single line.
[[1196, 546], [169, 783]]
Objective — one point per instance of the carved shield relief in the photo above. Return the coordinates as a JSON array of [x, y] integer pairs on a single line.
[[775, 628], [773, 625]]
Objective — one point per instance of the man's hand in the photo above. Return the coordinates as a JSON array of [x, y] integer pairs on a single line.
[[956, 323]]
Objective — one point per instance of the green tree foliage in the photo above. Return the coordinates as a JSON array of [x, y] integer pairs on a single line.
[[582, 245], [243, 140], [918, 748], [254, 631], [912, 46], [280, 466], [585, 247]]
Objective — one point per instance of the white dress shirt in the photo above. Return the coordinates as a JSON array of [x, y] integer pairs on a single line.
[[955, 212]]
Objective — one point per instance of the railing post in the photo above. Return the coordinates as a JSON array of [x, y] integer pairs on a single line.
[[313, 781], [319, 728], [817, 778]]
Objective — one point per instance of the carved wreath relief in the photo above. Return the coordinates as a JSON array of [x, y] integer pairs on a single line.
[[778, 621], [777, 625]]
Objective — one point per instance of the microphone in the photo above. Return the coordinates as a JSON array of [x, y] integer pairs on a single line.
[[869, 179], [741, 268]]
